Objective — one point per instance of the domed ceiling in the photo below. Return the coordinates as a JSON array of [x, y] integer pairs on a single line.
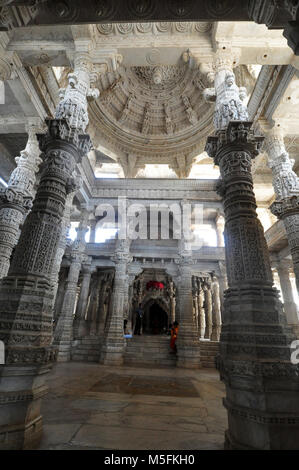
[[152, 114]]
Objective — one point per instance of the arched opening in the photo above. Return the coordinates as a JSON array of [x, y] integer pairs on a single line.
[[155, 319]]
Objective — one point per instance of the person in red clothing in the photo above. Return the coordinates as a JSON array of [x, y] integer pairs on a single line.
[[174, 335]]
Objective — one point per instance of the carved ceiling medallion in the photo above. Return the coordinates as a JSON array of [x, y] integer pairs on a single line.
[[151, 110]]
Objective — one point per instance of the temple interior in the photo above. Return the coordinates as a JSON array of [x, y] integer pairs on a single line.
[[149, 162]]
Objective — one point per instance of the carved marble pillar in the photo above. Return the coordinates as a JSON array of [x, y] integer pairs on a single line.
[[104, 304], [261, 383], [216, 310], [220, 230], [65, 225], [80, 327], [222, 279], [113, 345], [290, 307], [228, 96], [92, 237], [94, 307], [16, 199], [286, 187], [208, 309], [26, 293], [64, 329], [188, 354], [59, 294], [202, 316], [73, 99]]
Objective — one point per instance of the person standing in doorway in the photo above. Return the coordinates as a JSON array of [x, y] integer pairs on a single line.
[[139, 318]]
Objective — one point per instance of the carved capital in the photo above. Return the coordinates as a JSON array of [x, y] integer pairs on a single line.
[[285, 207], [59, 129], [238, 135]]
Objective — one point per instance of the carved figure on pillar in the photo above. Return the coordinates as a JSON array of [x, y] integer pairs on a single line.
[[202, 316], [286, 187], [79, 326], [73, 104], [208, 308], [16, 199], [216, 310], [227, 95]]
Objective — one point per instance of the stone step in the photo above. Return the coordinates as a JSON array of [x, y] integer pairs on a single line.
[[86, 349], [149, 350], [85, 358]]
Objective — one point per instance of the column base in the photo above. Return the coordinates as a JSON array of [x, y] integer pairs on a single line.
[[216, 334], [112, 354], [64, 352], [112, 358], [21, 391], [261, 382], [267, 429], [188, 358]]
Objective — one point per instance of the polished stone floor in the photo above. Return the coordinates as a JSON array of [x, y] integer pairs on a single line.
[[90, 406]]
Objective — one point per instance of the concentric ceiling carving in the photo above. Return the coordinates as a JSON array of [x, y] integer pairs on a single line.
[[152, 111]]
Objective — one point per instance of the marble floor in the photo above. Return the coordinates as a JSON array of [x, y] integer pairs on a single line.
[[90, 406]]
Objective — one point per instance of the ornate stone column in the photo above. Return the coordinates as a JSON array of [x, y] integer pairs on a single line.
[[93, 310], [59, 294], [208, 309], [104, 303], [290, 307], [26, 295], [220, 229], [63, 241], [216, 310], [92, 237], [64, 329], [202, 316], [16, 199], [80, 327], [286, 187], [113, 345], [222, 279], [261, 383], [188, 353], [26, 321]]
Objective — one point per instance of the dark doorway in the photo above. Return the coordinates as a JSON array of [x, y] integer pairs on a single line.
[[156, 321]]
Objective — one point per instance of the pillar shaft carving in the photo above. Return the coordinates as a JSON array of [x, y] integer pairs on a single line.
[[16, 199], [26, 322], [255, 340], [220, 230], [216, 310], [286, 187], [73, 104], [64, 328], [113, 347], [290, 306], [92, 237], [104, 303], [228, 97], [79, 327], [208, 309], [202, 316], [188, 354]]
